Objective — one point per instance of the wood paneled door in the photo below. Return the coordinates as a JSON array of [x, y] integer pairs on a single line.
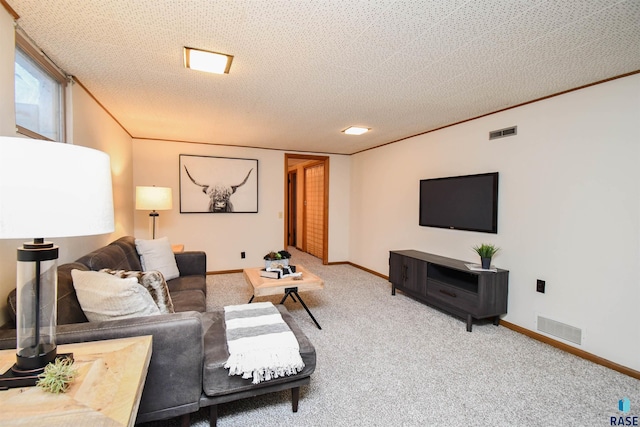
[[292, 210], [307, 203], [312, 241]]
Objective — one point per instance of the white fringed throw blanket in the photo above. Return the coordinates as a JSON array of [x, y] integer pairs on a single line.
[[261, 345]]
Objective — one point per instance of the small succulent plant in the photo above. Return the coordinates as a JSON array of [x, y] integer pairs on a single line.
[[57, 376]]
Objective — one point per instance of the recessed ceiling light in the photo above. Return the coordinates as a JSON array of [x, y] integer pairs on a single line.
[[210, 62], [355, 130]]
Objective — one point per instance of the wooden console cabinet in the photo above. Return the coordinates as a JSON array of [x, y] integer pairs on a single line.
[[449, 285]]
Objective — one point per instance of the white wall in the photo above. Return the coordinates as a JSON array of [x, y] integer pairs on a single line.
[[93, 127], [7, 128], [224, 236], [90, 126], [569, 210], [7, 70]]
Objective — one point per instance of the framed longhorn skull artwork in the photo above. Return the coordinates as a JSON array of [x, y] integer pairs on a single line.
[[218, 184]]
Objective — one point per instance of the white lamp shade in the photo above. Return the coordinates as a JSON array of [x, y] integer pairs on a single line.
[[50, 189], [153, 198]]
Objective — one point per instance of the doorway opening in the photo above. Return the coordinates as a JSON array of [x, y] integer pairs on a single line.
[[307, 204]]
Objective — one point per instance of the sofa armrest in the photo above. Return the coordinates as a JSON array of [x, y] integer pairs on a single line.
[[192, 263], [174, 379]]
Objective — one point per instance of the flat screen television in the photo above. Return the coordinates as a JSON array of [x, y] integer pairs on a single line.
[[468, 202]]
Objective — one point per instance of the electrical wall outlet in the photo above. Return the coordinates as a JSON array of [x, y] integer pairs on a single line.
[[243, 255], [540, 285]]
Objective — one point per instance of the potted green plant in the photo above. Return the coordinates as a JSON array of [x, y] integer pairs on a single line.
[[274, 259], [486, 252]]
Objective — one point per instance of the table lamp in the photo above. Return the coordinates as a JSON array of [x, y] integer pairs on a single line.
[[47, 189], [153, 199]]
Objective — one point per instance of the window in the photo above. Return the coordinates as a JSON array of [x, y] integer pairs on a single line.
[[39, 94]]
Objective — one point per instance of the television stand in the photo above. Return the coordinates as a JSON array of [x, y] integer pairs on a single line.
[[449, 285]]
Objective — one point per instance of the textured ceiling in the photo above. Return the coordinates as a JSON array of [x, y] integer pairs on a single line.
[[306, 69]]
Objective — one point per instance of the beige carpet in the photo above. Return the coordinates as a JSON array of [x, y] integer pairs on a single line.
[[387, 360]]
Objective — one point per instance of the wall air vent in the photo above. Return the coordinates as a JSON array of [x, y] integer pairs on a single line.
[[501, 133], [560, 330]]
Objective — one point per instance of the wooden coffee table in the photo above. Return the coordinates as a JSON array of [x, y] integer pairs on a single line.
[[263, 286]]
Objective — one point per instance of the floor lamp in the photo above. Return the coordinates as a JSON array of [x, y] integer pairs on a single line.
[[153, 199], [47, 189]]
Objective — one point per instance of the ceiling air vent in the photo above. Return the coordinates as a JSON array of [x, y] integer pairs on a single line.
[[503, 132]]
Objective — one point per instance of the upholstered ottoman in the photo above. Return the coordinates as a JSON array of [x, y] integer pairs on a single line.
[[219, 387]]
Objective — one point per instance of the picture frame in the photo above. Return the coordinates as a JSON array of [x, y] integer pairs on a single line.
[[211, 184]]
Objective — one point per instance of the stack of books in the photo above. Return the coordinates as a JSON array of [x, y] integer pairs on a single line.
[[478, 267], [279, 273]]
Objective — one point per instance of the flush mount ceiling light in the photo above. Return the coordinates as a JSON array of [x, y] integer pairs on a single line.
[[210, 62], [355, 130]]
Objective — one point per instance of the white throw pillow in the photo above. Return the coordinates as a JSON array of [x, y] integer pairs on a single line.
[[103, 296], [157, 255]]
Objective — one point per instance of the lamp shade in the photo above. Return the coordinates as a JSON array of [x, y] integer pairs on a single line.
[[47, 189], [153, 198], [50, 189]]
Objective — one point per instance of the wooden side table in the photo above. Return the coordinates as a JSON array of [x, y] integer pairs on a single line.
[[106, 392]]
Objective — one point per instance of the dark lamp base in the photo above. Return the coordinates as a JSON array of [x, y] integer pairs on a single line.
[[33, 358], [16, 377]]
